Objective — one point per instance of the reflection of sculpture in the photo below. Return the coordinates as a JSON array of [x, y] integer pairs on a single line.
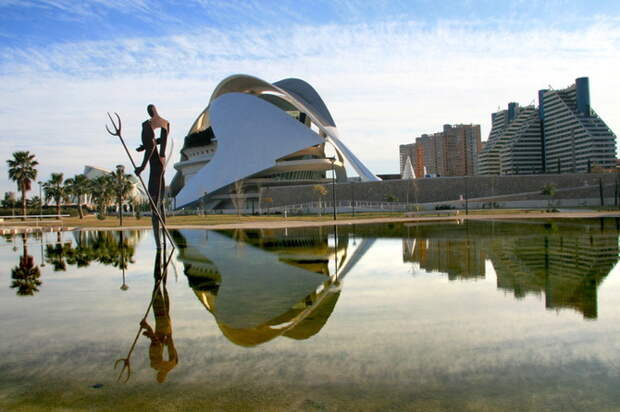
[[26, 275], [157, 163], [259, 285], [161, 337]]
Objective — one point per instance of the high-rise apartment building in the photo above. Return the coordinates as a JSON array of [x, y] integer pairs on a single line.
[[575, 137], [521, 150], [563, 135], [451, 152], [488, 161]]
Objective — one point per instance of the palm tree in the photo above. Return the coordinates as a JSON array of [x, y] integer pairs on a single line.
[[56, 190], [321, 191], [102, 191], [78, 186], [122, 186], [22, 171], [548, 190]]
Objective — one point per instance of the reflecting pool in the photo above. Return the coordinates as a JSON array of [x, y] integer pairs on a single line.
[[485, 315]]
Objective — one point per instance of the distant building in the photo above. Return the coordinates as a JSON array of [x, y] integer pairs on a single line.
[[563, 135], [406, 151], [575, 137], [451, 152], [488, 161], [93, 172]]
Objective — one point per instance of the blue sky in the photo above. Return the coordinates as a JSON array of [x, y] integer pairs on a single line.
[[388, 70]]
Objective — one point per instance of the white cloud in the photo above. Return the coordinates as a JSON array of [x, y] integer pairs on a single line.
[[384, 83]]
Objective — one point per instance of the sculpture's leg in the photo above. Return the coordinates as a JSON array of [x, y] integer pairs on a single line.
[[155, 221]]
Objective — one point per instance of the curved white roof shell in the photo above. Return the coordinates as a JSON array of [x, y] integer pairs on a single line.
[[252, 133]]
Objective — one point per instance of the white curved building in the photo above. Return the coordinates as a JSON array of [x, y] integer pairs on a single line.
[[254, 135]]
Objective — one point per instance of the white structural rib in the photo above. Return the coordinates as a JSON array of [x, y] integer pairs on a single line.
[[363, 172], [306, 94], [251, 134], [304, 97]]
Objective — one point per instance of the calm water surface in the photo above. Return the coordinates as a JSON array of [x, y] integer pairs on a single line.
[[481, 315]]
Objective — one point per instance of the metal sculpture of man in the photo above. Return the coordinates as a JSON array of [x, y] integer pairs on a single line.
[[157, 164]]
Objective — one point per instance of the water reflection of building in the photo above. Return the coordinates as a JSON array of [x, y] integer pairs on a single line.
[[564, 261], [460, 259], [262, 284], [566, 267]]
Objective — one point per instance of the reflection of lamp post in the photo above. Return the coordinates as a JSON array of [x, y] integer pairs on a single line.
[[466, 197], [42, 259], [124, 286], [120, 171], [333, 160], [121, 244]]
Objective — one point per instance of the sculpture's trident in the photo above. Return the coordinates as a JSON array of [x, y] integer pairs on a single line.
[[154, 208]]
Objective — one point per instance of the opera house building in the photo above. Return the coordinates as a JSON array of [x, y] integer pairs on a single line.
[[254, 135]]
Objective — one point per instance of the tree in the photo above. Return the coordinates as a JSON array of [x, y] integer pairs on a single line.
[[78, 186], [122, 186], [548, 190], [321, 191], [34, 202], [102, 191], [238, 199], [9, 200], [56, 190], [23, 172]]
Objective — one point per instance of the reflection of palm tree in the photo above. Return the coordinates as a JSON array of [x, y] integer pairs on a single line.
[[108, 248], [161, 337], [26, 275], [55, 254]]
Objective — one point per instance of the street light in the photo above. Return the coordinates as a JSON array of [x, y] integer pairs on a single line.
[[40, 200], [333, 160], [353, 199]]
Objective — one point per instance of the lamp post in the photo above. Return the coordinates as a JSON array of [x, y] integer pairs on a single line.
[[333, 160], [466, 197], [120, 171], [40, 200], [353, 199]]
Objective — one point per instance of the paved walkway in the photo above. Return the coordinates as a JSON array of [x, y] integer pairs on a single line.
[[293, 222], [288, 223]]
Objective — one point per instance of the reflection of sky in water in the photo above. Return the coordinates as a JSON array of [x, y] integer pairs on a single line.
[[399, 335]]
